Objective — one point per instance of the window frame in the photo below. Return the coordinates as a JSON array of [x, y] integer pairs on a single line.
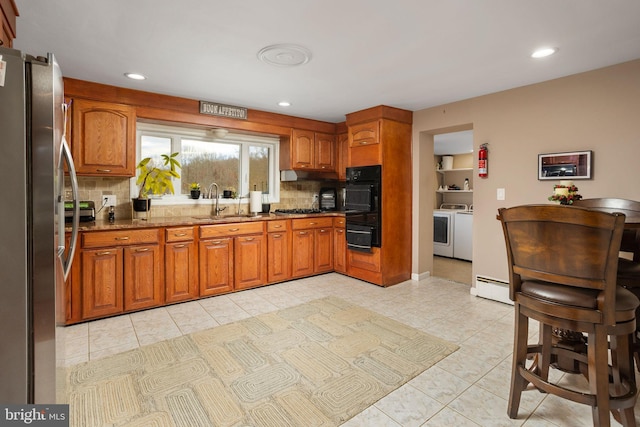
[[177, 133]]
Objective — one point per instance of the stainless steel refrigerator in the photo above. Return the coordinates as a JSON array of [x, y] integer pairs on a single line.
[[34, 260]]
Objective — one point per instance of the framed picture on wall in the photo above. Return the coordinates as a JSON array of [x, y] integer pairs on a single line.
[[574, 165]]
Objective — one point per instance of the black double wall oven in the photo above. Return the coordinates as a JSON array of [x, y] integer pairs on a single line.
[[363, 201]]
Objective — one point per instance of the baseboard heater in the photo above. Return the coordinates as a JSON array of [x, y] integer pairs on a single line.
[[494, 289]]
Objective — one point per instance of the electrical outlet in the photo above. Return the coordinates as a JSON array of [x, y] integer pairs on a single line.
[[109, 200]]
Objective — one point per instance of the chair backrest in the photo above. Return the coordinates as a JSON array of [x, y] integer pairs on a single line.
[[565, 245], [630, 238]]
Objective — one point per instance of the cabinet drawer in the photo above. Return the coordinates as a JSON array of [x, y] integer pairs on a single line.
[[233, 229], [339, 222], [178, 234], [280, 225], [315, 222], [121, 237]]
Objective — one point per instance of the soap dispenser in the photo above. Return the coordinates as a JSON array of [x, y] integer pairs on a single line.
[[466, 184]]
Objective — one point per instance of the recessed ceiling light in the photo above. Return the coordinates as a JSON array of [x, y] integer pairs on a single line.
[[284, 103], [284, 55], [544, 52], [135, 76]]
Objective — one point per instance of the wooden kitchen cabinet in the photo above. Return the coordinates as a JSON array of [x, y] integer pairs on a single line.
[[143, 277], [382, 135], [312, 151], [312, 246], [364, 144], [339, 246], [216, 266], [181, 264], [250, 267], [103, 138], [120, 271], [278, 251], [232, 256], [8, 13], [102, 282], [323, 250]]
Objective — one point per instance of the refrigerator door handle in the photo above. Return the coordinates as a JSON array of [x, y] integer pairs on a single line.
[[68, 159]]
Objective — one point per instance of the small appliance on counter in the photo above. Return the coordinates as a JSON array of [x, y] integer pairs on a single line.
[[328, 199], [87, 211]]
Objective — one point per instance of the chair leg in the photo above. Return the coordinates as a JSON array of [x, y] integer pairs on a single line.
[[520, 345], [598, 350], [622, 360]]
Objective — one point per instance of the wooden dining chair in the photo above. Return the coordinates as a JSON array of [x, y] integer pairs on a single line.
[[562, 272]]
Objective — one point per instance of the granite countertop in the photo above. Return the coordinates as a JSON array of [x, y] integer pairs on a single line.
[[175, 221]]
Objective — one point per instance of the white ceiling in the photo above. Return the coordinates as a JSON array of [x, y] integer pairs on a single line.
[[410, 54]]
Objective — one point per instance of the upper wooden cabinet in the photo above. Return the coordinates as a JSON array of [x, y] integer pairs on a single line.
[[103, 138], [8, 13], [310, 150]]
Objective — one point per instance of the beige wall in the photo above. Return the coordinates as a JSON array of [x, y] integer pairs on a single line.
[[597, 110]]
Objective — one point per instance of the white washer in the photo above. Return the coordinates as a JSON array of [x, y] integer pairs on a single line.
[[443, 228]]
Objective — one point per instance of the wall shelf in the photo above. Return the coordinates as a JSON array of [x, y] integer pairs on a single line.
[[454, 191], [443, 171]]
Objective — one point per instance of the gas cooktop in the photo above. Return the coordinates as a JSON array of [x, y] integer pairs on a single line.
[[296, 211]]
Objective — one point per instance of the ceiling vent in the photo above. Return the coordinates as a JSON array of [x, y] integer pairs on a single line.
[[284, 55]]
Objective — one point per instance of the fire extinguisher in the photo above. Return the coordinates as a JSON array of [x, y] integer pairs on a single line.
[[483, 161]]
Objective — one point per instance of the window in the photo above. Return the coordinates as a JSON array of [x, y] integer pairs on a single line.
[[239, 163]]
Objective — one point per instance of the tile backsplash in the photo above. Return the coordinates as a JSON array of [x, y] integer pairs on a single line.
[[293, 194]]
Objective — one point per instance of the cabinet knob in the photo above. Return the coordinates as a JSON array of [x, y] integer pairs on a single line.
[[234, 229], [179, 234], [142, 250], [180, 246], [122, 238], [103, 253], [103, 170]]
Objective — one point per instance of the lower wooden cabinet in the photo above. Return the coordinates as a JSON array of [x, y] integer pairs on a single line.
[[102, 279], [323, 250], [278, 251], [143, 278], [126, 270], [312, 246], [120, 271], [339, 250], [250, 253], [216, 266], [302, 243], [181, 265]]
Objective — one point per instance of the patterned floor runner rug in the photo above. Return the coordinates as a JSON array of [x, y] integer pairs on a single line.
[[315, 364]]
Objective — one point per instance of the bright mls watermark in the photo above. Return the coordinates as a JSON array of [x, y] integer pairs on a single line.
[[37, 415]]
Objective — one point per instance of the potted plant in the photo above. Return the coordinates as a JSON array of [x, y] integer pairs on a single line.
[[154, 179], [195, 190]]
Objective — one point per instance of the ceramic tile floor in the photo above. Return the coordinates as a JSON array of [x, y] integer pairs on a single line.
[[468, 388]]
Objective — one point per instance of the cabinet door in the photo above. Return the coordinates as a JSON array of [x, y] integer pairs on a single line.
[[323, 253], [181, 271], [302, 149], [142, 277], [325, 156], [216, 266], [279, 257], [302, 253], [339, 250], [103, 138], [102, 292], [364, 144], [250, 261]]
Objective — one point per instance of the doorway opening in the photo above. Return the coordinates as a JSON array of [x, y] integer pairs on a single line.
[[453, 242]]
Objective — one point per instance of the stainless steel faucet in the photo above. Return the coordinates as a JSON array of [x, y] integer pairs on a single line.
[[217, 210]]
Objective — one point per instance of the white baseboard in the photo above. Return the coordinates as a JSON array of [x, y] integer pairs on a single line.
[[493, 289]]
